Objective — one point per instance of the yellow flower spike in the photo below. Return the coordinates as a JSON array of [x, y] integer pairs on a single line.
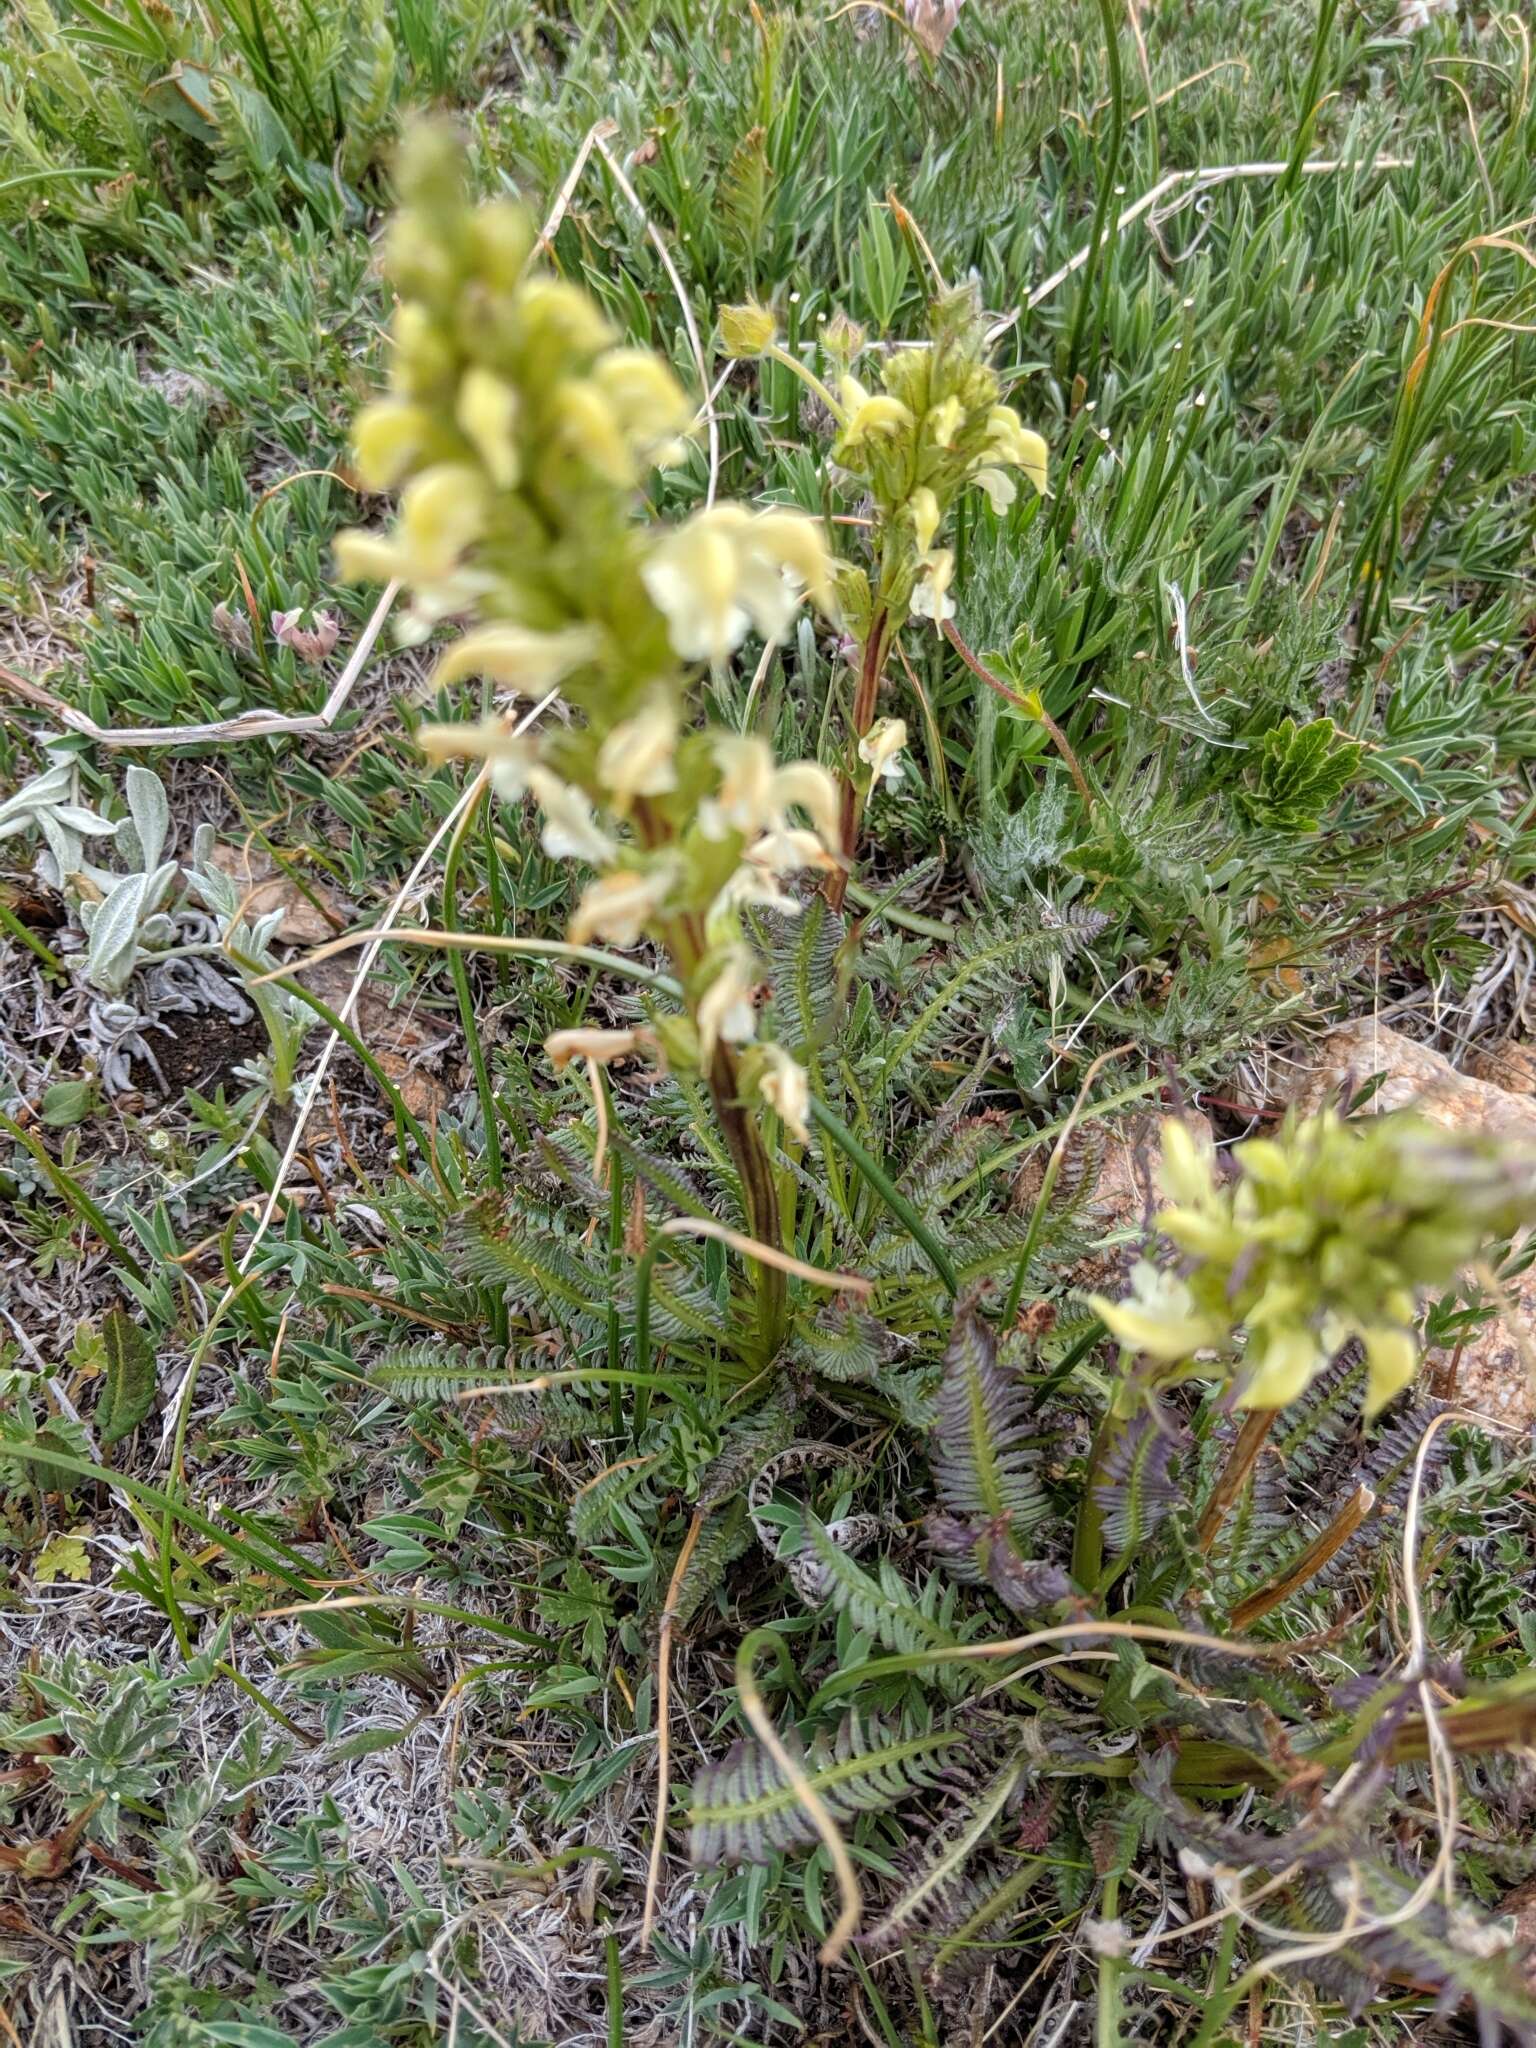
[[944, 421], [785, 1088], [591, 431], [522, 660], [621, 906], [570, 830], [748, 888], [1290, 1361], [639, 756], [746, 331], [487, 413], [726, 1012], [1391, 1359], [441, 512], [386, 438], [810, 786], [924, 508]]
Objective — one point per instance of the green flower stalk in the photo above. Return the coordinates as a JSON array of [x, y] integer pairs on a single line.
[[1330, 1231], [518, 429], [937, 429]]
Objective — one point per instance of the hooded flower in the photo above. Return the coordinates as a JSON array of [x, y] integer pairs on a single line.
[[639, 756], [570, 830], [726, 1012], [726, 571], [785, 1088], [619, 906], [881, 748]]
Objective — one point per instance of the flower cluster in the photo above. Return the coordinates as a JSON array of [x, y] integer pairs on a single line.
[[936, 428], [518, 429], [1331, 1231]]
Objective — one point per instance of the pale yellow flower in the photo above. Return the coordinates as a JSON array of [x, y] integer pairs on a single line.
[[726, 1012], [881, 749], [789, 849], [639, 756], [487, 414], [930, 595], [869, 417], [570, 830], [1010, 441], [998, 486], [524, 661], [749, 888], [945, 420], [786, 1089], [726, 571], [602, 1046], [1286, 1365], [1159, 1316], [924, 508], [619, 907], [442, 512], [386, 438], [1391, 1359], [591, 430], [744, 800], [809, 785], [647, 400], [508, 758]]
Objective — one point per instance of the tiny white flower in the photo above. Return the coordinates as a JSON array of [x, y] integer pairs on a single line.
[[881, 749], [726, 1012], [785, 1088], [570, 831]]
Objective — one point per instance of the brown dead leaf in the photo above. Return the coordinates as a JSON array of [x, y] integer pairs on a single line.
[[304, 923]]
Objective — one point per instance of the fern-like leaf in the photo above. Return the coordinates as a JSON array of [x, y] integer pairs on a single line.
[[743, 1809], [1136, 1489], [981, 1466]]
